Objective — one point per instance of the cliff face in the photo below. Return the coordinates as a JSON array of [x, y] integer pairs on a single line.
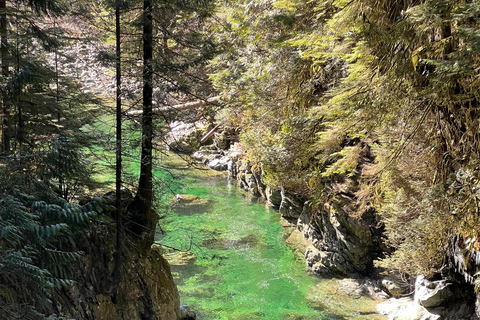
[[339, 244], [341, 237], [146, 289]]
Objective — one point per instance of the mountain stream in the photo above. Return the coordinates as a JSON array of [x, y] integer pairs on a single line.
[[234, 262]]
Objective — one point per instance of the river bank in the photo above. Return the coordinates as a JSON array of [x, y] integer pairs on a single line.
[[235, 262], [336, 245]]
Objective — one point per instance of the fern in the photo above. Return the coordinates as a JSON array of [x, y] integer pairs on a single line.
[[31, 261]]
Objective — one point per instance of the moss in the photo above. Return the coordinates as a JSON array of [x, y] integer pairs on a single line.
[[146, 289], [187, 204]]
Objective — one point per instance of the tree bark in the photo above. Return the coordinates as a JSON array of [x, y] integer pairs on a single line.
[[116, 275], [4, 61], [146, 219]]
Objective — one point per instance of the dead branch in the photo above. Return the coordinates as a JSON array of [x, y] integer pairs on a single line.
[[178, 107]]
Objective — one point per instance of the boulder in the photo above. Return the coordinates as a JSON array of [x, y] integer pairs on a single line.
[[432, 293], [219, 164], [274, 196], [187, 204], [213, 158], [405, 309], [433, 300], [186, 313], [290, 205], [184, 137], [394, 287]]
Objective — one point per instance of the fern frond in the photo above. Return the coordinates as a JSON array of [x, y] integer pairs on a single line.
[[51, 230]]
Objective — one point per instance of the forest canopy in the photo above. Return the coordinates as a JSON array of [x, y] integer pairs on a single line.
[[381, 95]]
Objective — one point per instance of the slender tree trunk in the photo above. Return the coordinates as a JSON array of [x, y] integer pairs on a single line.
[[146, 217], [4, 57], [19, 124], [118, 168]]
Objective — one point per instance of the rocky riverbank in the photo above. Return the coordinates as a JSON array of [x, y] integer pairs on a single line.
[[144, 289], [339, 245], [335, 244]]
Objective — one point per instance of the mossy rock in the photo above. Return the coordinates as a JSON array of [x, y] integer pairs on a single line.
[[225, 244], [180, 258], [188, 204]]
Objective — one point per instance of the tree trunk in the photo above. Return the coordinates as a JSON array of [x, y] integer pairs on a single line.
[[116, 275], [4, 61], [146, 219]]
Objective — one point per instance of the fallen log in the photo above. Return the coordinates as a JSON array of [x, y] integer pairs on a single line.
[[178, 107], [209, 134]]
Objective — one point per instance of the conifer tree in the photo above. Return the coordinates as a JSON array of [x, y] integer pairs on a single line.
[[4, 62], [169, 68], [118, 150], [38, 222]]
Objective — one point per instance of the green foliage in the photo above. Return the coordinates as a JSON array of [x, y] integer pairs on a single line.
[[345, 162], [37, 246], [315, 86], [66, 165], [39, 100]]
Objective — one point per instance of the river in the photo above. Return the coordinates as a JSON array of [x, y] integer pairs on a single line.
[[234, 262]]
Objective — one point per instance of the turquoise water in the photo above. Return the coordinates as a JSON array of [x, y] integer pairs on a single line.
[[234, 262]]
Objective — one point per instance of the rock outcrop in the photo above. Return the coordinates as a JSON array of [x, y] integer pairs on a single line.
[[144, 290], [341, 245], [432, 300]]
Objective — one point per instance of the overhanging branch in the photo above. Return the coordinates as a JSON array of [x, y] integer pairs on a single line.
[[178, 107]]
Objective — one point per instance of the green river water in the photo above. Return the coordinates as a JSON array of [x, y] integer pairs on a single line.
[[236, 264]]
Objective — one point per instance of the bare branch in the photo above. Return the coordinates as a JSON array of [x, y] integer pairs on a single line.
[[178, 107]]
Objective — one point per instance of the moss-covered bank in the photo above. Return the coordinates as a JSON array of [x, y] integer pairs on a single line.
[[146, 289]]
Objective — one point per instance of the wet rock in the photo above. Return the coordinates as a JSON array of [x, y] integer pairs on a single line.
[[219, 164], [360, 287], [298, 244], [288, 227], [180, 258], [290, 206], [432, 293], [351, 298], [187, 204], [274, 196], [206, 154], [394, 287], [213, 158], [433, 300], [186, 313], [225, 244]]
